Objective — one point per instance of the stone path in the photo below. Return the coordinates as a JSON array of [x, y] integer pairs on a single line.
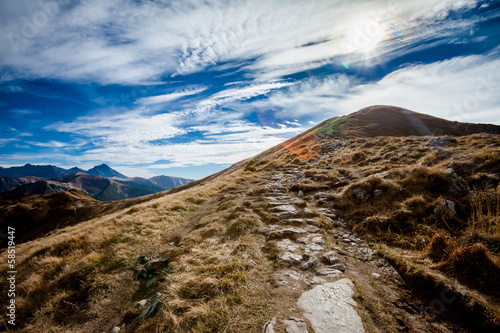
[[328, 306]]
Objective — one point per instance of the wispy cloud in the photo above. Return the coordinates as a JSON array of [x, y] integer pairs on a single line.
[[169, 97], [147, 40], [462, 89]]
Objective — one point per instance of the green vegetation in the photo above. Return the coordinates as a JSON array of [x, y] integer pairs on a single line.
[[330, 128]]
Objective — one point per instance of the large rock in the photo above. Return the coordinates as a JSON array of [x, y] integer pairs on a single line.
[[330, 308], [295, 325]]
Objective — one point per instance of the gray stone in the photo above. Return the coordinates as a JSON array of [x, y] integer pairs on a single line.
[[331, 257], [115, 329], [458, 187], [303, 240], [318, 240], [269, 326], [152, 303], [314, 247], [287, 245], [286, 208], [295, 221], [300, 194], [311, 228], [291, 258], [290, 275], [360, 194], [295, 325], [340, 267], [328, 272], [140, 304], [445, 207], [311, 263], [317, 280], [330, 308], [376, 275], [446, 138]]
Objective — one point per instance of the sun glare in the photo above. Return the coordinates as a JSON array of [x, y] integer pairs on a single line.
[[364, 35]]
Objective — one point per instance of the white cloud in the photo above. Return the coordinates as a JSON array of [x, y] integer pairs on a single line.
[[137, 42], [461, 89], [169, 97]]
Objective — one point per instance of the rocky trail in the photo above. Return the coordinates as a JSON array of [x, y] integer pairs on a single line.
[[331, 269]]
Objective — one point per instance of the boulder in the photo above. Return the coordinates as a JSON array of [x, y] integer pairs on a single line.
[[330, 308]]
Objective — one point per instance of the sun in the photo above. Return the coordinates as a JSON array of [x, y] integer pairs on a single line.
[[364, 35]]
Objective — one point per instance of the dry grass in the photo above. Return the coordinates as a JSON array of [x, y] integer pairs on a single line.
[[485, 212]]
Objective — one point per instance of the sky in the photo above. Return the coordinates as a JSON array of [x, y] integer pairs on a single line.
[[187, 88]]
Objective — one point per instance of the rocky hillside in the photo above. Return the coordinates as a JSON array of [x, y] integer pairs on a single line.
[[333, 231]]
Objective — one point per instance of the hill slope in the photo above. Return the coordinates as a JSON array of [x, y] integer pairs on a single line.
[[231, 251]]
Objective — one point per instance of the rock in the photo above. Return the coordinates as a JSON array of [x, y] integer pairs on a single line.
[[311, 263], [377, 193], [303, 240], [300, 194], [446, 138], [360, 194], [340, 267], [295, 221], [295, 325], [330, 308], [286, 209], [311, 228], [314, 247], [328, 272], [458, 187], [152, 268], [287, 245], [445, 207], [317, 280], [290, 274], [269, 326], [331, 258], [376, 275], [140, 304], [291, 258], [346, 240], [152, 303], [115, 329], [318, 240]]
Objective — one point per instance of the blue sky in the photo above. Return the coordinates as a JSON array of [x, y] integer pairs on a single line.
[[187, 88]]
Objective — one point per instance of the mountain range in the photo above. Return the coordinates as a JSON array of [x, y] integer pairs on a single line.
[[101, 182]]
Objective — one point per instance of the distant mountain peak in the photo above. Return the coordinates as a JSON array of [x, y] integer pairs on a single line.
[[105, 170]]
